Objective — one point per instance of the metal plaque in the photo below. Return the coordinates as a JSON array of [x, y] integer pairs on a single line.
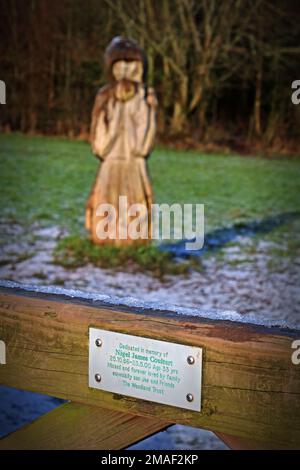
[[144, 368]]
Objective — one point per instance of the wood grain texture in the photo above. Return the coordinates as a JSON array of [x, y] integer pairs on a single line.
[[74, 426], [123, 133], [250, 386]]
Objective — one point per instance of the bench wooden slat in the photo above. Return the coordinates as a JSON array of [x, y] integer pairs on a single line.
[[250, 386], [75, 426]]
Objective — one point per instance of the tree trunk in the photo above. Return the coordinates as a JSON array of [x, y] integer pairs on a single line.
[[257, 101], [178, 121]]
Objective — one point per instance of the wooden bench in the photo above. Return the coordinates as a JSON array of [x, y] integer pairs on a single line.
[[250, 387]]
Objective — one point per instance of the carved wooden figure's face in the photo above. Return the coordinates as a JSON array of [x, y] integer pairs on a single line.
[[130, 70]]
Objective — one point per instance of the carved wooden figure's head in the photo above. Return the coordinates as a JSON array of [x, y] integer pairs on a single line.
[[128, 69], [125, 60]]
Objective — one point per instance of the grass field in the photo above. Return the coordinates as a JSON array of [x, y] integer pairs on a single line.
[[48, 179]]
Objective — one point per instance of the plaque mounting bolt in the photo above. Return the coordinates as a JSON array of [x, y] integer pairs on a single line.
[[98, 377], [191, 360], [98, 342], [190, 397]]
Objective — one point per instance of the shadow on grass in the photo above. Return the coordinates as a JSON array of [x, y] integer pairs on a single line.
[[220, 237]]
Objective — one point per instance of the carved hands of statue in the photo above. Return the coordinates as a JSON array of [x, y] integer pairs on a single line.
[[151, 99], [125, 90]]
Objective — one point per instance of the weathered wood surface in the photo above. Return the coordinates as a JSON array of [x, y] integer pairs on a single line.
[[123, 131], [74, 426], [251, 389]]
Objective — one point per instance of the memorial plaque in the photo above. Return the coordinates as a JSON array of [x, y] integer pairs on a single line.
[[145, 368]]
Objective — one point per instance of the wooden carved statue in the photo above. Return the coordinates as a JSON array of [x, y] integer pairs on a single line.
[[122, 135]]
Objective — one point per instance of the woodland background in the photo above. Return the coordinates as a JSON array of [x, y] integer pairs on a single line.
[[222, 70]]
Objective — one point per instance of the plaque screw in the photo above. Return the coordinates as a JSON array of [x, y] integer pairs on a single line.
[[98, 342], [98, 377], [189, 397], [191, 360]]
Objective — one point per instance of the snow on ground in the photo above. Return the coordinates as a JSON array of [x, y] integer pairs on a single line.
[[241, 280], [236, 282]]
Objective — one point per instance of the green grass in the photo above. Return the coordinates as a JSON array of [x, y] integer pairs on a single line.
[[73, 251], [48, 179]]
